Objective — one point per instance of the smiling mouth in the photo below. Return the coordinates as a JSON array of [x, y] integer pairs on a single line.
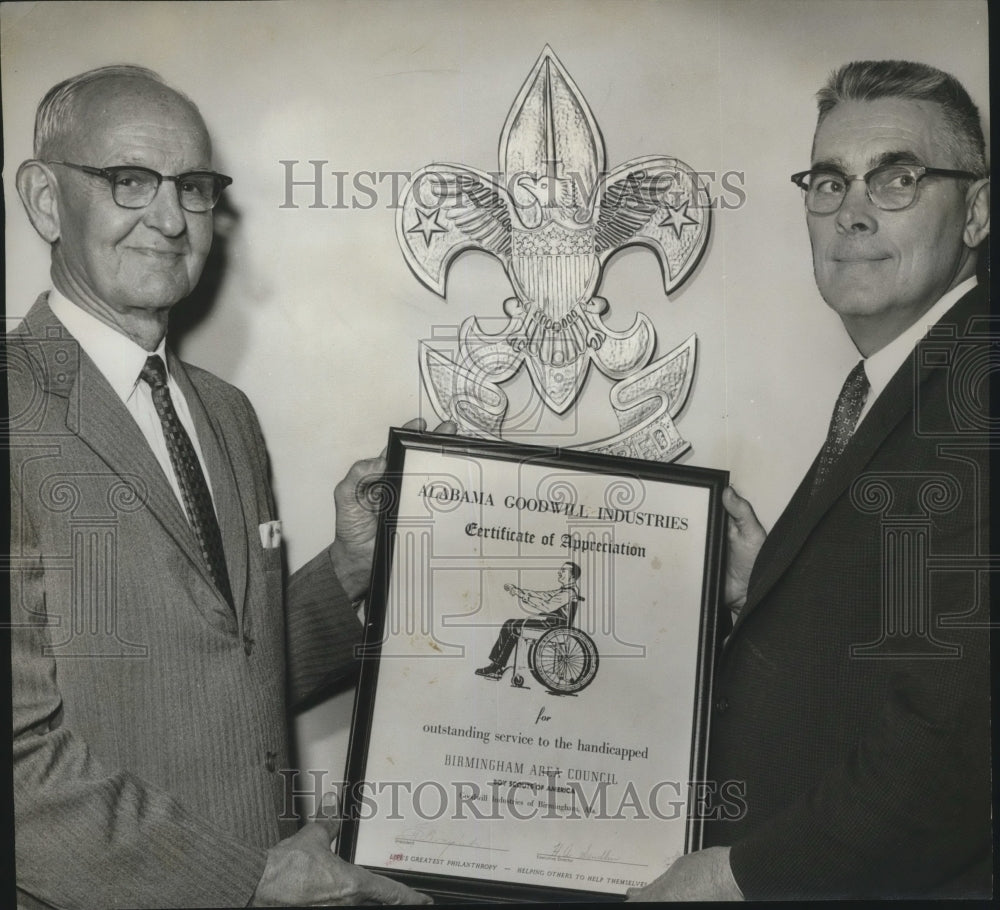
[[164, 254]]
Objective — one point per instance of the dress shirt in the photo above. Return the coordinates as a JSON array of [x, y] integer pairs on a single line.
[[555, 602], [881, 366], [120, 361]]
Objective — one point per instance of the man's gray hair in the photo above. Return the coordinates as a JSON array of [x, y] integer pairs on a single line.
[[869, 80], [57, 114]]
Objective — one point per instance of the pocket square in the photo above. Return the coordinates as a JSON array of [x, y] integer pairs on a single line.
[[270, 534]]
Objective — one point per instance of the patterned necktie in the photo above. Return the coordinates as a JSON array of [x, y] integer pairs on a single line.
[[190, 478], [846, 412]]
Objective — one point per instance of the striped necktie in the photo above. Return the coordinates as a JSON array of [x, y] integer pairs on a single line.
[[190, 477]]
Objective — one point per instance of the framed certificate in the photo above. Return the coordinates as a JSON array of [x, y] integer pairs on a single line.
[[532, 712]]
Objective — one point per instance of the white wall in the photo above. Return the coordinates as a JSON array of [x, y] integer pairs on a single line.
[[318, 316]]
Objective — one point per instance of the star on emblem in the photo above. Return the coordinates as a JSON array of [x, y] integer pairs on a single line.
[[678, 218], [427, 224]]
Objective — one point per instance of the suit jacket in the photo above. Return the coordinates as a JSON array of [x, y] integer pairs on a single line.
[[852, 697], [149, 719]]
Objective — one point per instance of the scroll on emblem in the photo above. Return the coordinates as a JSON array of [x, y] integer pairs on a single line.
[[553, 216]]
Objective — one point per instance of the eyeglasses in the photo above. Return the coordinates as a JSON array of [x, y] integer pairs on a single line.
[[135, 187], [890, 187]]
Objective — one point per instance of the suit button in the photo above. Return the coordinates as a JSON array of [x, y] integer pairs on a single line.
[[722, 704], [247, 645], [271, 761]]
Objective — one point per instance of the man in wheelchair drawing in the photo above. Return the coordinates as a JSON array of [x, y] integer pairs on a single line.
[[561, 657]]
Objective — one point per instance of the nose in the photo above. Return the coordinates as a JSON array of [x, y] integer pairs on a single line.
[[857, 212], [164, 213]]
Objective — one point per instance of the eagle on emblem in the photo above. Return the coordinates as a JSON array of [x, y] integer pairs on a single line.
[[553, 217]]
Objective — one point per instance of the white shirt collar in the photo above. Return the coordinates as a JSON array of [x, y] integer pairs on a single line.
[[117, 356], [881, 366]]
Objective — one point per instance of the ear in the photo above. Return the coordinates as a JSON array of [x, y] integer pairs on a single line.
[[977, 213], [36, 185]]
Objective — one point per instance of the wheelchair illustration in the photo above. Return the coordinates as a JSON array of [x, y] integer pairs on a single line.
[[547, 644], [562, 658]]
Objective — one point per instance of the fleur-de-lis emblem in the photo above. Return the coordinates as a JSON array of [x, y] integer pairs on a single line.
[[554, 217]]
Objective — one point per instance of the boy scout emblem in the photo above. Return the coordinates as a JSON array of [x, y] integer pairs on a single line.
[[554, 217]]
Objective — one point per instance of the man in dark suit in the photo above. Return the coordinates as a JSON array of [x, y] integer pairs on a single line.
[[149, 621], [851, 698]]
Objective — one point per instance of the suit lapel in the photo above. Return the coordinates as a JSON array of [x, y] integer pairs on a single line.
[[804, 510], [99, 419], [225, 488]]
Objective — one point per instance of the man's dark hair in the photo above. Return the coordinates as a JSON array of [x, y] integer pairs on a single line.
[[869, 80], [574, 570]]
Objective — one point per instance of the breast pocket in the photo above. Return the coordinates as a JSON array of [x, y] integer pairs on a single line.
[[271, 585], [272, 559]]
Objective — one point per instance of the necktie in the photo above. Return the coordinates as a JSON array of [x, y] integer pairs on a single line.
[[190, 478], [846, 412]]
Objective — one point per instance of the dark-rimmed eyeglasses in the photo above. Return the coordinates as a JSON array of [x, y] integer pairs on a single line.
[[890, 187], [134, 187]]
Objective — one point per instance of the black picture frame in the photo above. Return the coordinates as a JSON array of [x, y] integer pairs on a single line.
[[380, 725]]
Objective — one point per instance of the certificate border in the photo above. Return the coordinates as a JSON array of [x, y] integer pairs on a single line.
[[390, 488]]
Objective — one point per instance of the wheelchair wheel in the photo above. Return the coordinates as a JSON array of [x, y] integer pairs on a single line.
[[564, 660]]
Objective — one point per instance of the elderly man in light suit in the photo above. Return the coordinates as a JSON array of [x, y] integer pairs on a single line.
[[149, 623]]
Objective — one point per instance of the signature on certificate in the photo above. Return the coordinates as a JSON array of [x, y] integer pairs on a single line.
[[434, 837], [567, 852]]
